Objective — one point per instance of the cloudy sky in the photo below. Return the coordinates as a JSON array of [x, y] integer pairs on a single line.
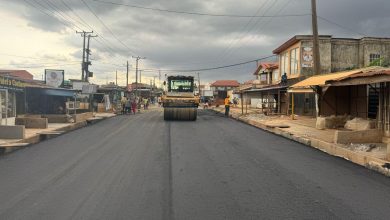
[[39, 34]]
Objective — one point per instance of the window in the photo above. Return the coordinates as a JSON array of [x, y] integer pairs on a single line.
[[294, 54], [283, 64], [276, 75], [375, 59]]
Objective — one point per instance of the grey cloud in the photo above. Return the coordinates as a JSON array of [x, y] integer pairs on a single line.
[[177, 41]]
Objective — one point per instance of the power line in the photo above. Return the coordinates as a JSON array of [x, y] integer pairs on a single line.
[[220, 67], [197, 13], [109, 30], [341, 26], [231, 43]]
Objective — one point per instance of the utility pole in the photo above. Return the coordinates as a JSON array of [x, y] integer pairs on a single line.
[[83, 34], [159, 78], [87, 62], [127, 74], [316, 47], [136, 72], [199, 85], [140, 76], [316, 55]]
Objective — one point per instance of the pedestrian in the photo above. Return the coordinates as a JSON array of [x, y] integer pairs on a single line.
[[128, 106], [145, 103], [123, 102], [227, 106], [133, 105], [235, 101]]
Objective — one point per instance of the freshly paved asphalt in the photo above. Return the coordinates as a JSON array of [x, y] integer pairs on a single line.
[[141, 167]]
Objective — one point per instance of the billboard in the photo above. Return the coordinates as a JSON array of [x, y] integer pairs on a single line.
[[54, 78], [307, 55], [89, 89]]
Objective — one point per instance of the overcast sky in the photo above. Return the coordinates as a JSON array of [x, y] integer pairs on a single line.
[[39, 34]]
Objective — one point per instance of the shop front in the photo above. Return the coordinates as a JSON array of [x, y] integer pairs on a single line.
[[12, 99], [47, 100]]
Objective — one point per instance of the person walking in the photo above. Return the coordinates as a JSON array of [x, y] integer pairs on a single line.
[[123, 102], [227, 106], [128, 106], [133, 105], [145, 103]]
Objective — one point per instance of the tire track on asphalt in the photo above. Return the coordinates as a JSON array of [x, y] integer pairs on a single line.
[[168, 212], [53, 180]]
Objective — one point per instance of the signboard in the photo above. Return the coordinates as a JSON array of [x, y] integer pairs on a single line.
[[12, 84], [89, 89], [307, 57], [54, 78]]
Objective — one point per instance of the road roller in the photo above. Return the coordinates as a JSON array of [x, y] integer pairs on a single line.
[[179, 101]]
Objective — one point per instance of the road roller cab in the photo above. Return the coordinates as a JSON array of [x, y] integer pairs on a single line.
[[179, 101]]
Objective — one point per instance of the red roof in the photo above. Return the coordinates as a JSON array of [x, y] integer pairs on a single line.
[[21, 74], [226, 83], [266, 66]]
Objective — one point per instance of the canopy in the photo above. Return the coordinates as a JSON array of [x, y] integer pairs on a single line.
[[321, 80]]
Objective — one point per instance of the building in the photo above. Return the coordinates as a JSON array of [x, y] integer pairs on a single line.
[[361, 93], [336, 54], [17, 74], [267, 73], [221, 88]]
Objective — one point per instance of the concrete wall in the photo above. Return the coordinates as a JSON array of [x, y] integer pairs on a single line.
[[339, 54], [345, 54], [366, 136], [12, 132], [82, 117], [374, 46], [325, 56], [32, 122], [53, 118]]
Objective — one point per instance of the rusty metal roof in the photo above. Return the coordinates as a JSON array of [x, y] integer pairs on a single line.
[[227, 83], [321, 80], [362, 75]]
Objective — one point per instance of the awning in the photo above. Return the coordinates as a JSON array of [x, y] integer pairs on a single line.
[[267, 89], [321, 80], [302, 90], [54, 92], [363, 78]]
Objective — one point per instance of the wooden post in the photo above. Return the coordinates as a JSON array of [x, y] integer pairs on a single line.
[[242, 103], [292, 106]]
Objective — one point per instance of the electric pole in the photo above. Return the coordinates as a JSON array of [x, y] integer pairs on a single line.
[[83, 34], [316, 47], [159, 78], [136, 72], [316, 55], [127, 74], [87, 62], [140, 76], [199, 85]]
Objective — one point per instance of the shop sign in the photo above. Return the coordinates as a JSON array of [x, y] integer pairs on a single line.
[[307, 55], [54, 78], [12, 84]]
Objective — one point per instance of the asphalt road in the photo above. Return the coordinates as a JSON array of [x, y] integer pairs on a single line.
[[140, 167]]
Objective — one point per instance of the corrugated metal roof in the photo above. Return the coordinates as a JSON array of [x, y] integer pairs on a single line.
[[228, 83], [321, 80], [362, 75]]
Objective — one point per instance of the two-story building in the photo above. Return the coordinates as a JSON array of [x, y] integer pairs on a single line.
[[221, 89], [336, 54]]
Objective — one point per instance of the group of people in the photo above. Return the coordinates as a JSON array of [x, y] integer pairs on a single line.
[[128, 105]]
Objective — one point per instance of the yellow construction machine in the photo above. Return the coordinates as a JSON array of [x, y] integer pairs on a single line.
[[179, 101]]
